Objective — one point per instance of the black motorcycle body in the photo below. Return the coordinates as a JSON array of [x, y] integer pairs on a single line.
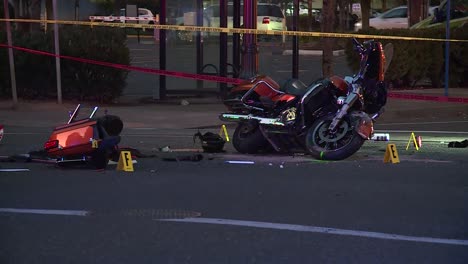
[[330, 119]]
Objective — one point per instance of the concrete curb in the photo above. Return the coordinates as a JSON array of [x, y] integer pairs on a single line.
[[314, 52]]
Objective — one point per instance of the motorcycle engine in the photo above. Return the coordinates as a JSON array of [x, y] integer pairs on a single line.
[[288, 115]]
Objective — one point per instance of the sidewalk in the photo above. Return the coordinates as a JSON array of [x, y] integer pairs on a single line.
[[182, 113], [168, 114]]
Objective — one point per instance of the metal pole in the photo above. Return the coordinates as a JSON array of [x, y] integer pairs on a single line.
[[199, 41], [236, 36], [295, 56], [447, 48], [10, 55], [223, 10], [249, 42], [162, 50], [57, 53]]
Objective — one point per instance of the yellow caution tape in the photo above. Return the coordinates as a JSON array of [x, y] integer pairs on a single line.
[[228, 30]]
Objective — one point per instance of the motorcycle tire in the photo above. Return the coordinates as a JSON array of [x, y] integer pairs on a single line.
[[322, 145], [248, 139]]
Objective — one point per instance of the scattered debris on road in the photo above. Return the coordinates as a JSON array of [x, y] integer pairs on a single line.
[[458, 144]]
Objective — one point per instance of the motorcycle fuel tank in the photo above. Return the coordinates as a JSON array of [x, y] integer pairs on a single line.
[[263, 87]]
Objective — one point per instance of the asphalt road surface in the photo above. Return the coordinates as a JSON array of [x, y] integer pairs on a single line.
[[280, 209]]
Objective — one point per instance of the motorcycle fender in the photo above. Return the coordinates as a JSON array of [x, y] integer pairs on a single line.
[[315, 97], [364, 124], [313, 91]]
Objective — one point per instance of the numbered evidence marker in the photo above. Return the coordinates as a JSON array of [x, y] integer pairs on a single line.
[[125, 161], [391, 154]]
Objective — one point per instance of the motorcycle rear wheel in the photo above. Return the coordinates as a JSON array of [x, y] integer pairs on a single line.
[[248, 139], [322, 144]]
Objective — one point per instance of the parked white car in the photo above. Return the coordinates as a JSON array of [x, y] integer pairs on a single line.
[[269, 16], [303, 10], [145, 16], [393, 18]]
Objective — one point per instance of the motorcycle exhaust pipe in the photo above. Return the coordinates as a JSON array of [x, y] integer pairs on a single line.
[[239, 117]]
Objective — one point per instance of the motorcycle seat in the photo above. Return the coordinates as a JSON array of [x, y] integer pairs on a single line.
[[294, 87]]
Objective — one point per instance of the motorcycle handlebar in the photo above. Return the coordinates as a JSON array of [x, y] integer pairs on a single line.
[[361, 48], [357, 45]]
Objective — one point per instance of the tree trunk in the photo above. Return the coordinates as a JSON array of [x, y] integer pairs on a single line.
[[328, 20], [35, 14], [118, 4], [29, 9], [309, 14], [365, 12]]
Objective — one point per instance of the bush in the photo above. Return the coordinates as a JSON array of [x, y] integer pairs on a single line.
[[414, 61], [94, 82], [36, 74]]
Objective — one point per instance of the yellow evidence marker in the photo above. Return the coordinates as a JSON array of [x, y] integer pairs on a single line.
[[391, 154], [94, 143], [223, 128], [125, 161], [415, 143]]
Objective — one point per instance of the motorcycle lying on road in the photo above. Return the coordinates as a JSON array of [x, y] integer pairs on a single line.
[[91, 140], [330, 119]]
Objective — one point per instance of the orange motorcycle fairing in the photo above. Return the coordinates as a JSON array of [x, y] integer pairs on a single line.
[[260, 79], [283, 98], [265, 87], [382, 62], [72, 139], [339, 83]]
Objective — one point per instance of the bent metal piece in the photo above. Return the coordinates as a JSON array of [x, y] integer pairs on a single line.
[[262, 120], [74, 114]]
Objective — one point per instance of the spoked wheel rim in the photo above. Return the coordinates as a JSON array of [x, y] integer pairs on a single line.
[[328, 140], [246, 130]]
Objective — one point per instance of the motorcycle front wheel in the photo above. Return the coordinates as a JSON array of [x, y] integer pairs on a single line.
[[248, 139], [338, 145]]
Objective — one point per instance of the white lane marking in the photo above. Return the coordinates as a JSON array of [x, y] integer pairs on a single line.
[[46, 212], [422, 131], [240, 162], [289, 227], [13, 170], [157, 135], [423, 123], [318, 229]]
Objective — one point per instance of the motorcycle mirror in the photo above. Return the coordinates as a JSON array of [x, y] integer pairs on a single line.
[[388, 52]]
